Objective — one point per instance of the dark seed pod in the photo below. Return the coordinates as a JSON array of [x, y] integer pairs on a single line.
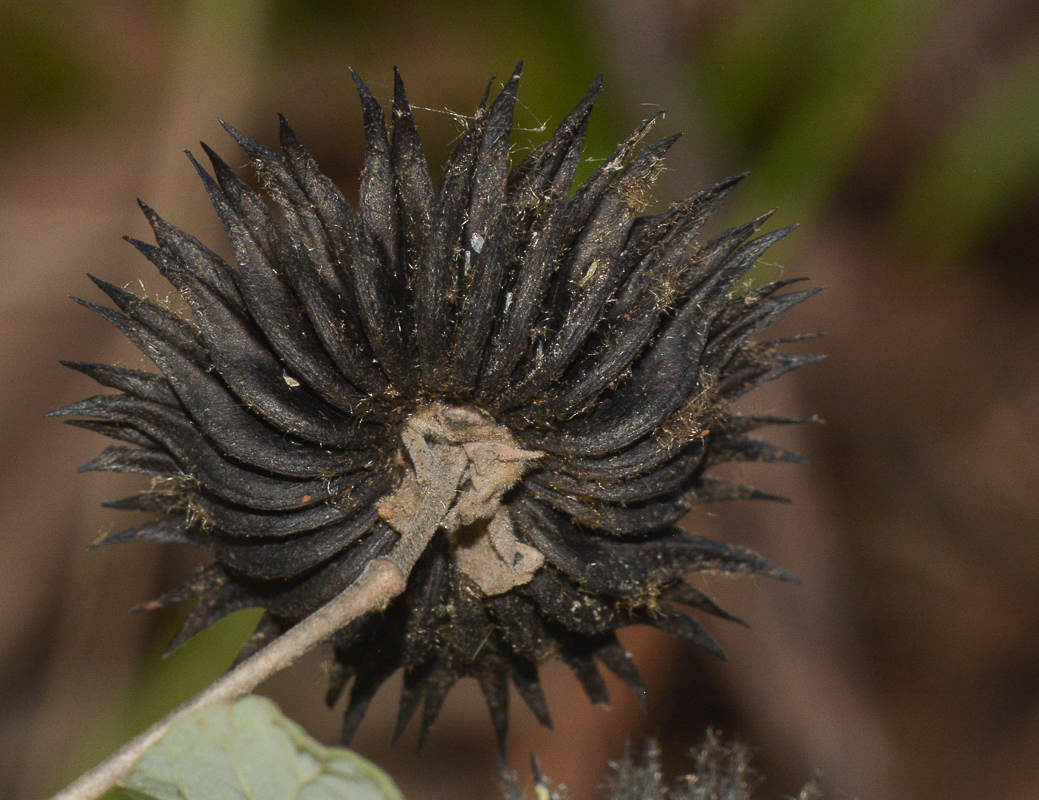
[[558, 366]]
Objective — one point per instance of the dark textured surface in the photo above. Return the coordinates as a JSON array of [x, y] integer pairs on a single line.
[[903, 666], [611, 342]]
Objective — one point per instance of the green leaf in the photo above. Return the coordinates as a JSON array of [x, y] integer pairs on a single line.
[[248, 750]]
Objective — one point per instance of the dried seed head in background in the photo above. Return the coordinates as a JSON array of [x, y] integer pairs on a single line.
[[722, 772], [546, 377]]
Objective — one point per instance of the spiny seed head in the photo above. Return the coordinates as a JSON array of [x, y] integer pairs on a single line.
[[527, 384]]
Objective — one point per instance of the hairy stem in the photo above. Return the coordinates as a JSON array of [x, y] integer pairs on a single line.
[[382, 580]]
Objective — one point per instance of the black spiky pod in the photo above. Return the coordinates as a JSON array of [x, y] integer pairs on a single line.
[[553, 369]]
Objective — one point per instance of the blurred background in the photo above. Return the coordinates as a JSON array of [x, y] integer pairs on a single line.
[[902, 134]]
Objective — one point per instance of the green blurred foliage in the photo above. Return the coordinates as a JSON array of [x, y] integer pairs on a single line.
[[795, 88], [977, 174], [46, 71]]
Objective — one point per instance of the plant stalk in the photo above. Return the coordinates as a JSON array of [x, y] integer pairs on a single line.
[[382, 580], [442, 443]]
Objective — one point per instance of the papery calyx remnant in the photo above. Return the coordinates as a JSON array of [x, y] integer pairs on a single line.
[[462, 463], [524, 385]]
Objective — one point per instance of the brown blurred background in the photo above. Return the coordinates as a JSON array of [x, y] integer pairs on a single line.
[[902, 134]]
